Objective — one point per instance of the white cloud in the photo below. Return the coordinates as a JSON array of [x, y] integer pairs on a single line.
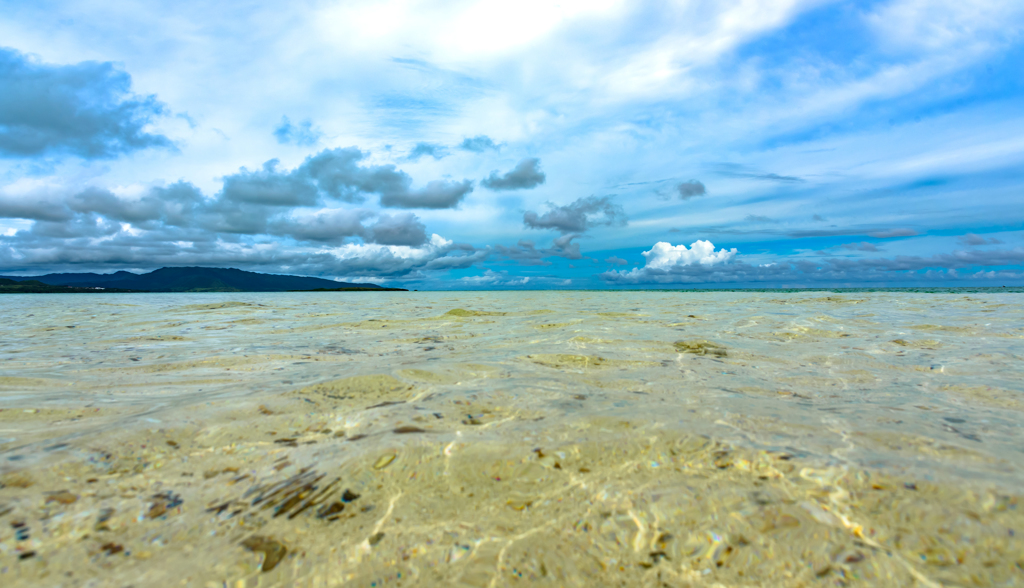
[[932, 25], [665, 255], [492, 278], [664, 258]]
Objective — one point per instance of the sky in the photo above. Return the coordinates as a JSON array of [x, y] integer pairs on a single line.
[[505, 145]]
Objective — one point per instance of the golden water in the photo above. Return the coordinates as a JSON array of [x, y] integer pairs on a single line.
[[512, 438]]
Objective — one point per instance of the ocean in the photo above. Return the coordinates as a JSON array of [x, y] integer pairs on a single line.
[[564, 438]]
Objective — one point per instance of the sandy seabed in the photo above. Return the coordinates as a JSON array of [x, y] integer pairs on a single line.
[[507, 439]]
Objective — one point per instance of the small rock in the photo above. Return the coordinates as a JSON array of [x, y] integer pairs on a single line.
[[63, 497], [405, 429], [384, 461], [273, 551]]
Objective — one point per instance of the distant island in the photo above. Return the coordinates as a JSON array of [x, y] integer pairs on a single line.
[[178, 279]]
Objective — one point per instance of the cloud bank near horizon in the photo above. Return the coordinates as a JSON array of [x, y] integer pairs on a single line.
[[807, 137]]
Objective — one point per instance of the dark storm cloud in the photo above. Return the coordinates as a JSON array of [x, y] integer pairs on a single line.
[[578, 216], [400, 229], [427, 149], [478, 144], [332, 226], [85, 225], [525, 175], [86, 109], [270, 187], [690, 189], [107, 204], [338, 175], [302, 134], [32, 208]]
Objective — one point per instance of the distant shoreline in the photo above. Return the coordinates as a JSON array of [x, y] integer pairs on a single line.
[[176, 279]]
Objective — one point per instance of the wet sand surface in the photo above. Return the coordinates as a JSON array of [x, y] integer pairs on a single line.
[[506, 439]]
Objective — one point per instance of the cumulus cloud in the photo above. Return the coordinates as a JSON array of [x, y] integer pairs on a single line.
[[337, 174], [302, 134], [690, 188], [397, 261], [399, 229], [577, 216], [436, 194], [616, 260], [664, 261], [29, 252], [164, 210], [834, 270], [564, 247], [664, 255], [329, 226], [271, 187], [86, 109], [478, 144], [427, 149], [244, 222], [525, 175], [334, 226], [37, 209]]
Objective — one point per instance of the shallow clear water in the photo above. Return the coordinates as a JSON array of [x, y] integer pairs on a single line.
[[661, 410]]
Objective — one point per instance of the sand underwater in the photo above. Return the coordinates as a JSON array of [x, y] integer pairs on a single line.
[[512, 439]]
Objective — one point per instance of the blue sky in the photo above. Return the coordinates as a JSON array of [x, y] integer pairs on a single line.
[[573, 144]]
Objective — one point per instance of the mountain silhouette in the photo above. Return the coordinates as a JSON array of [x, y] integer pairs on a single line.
[[195, 279]]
